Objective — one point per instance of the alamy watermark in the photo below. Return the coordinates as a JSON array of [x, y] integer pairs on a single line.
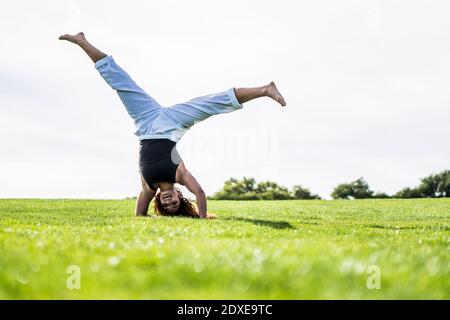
[[255, 148], [73, 22], [374, 279], [374, 17], [73, 281]]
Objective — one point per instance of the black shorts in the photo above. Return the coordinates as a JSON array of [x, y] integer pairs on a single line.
[[158, 161]]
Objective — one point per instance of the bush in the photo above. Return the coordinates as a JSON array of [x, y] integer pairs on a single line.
[[234, 189], [381, 195], [408, 193], [300, 192], [247, 189], [358, 189], [269, 190]]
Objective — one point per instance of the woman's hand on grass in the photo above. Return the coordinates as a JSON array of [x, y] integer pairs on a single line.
[[208, 216]]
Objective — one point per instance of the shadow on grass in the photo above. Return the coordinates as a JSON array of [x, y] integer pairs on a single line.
[[265, 223], [394, 228]]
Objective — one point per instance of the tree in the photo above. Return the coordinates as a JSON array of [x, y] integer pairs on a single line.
[[408, 193], [436, 185], [358, 189], [234, 189], [269, 190], [342, 191], [433, 186], [300, 192], [247, 189], [443, 189]]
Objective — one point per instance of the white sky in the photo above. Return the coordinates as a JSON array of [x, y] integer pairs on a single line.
[[367, 85]]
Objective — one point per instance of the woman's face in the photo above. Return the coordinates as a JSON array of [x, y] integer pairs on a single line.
[[170, 200]]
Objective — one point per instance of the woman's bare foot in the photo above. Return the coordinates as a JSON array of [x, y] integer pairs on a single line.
[[77, 38], [272, 92]]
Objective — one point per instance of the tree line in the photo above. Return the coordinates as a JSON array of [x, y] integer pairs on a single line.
[[433, 186]]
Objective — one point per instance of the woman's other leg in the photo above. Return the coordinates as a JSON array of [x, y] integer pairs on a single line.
[[247, 94], [140, 106], [191, 112]]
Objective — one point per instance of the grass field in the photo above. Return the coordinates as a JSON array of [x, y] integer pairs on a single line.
[[255, 250]]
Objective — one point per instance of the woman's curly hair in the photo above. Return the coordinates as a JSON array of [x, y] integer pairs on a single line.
[[186, 209]]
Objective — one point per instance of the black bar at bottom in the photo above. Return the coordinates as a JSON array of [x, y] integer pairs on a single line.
[[226, 309]]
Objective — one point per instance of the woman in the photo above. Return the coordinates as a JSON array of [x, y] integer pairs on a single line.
[[159, 128]]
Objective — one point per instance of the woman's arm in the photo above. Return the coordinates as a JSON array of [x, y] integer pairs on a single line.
[[193, 186], [144, 199], [188, 180]]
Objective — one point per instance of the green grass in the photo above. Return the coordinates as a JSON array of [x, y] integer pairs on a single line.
[[255, 250]]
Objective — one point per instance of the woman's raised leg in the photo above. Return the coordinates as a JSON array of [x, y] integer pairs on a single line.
[[140, 105], [185, 115], [247, 94]]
